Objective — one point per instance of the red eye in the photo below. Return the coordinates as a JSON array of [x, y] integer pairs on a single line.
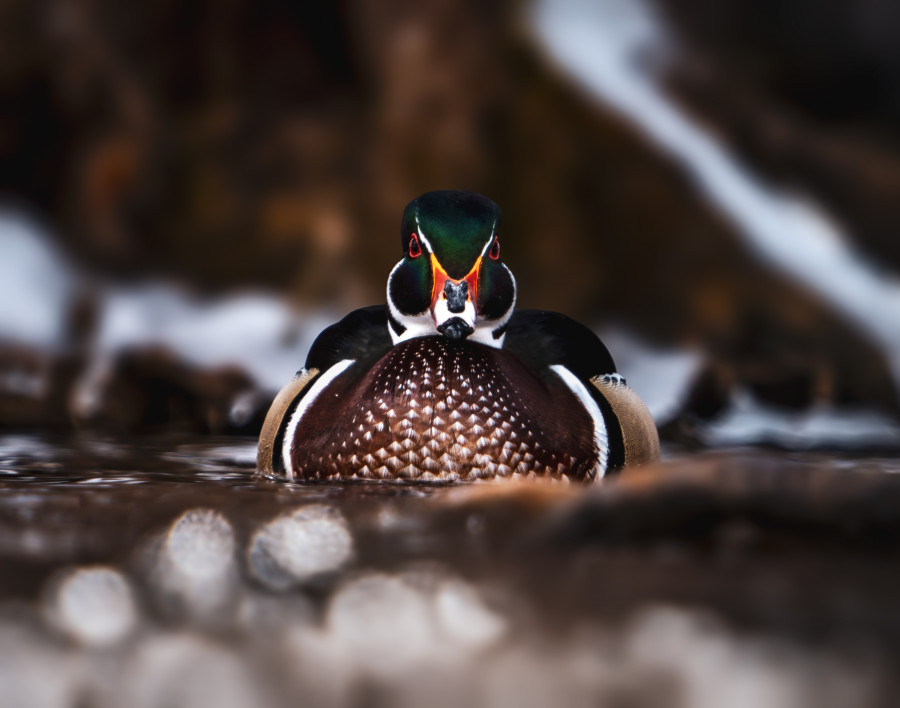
[[415, 250], [494, 253]]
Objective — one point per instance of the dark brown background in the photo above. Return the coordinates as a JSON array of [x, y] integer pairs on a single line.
[[273, 145]]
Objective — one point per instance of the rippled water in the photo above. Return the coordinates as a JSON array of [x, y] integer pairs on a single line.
[[162, 572]]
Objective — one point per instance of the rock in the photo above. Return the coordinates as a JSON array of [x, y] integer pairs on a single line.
[[33, 672], [94, 606], [188, 671], [195, 571], [299, 546], [397, 625], [149, 389]]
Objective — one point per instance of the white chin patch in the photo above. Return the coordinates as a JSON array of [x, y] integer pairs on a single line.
[[442, 314]]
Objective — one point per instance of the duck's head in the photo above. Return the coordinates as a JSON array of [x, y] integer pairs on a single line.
[[451, 280]]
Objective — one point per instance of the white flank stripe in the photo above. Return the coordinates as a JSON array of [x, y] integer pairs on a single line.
[[321, 383], [601, 441]]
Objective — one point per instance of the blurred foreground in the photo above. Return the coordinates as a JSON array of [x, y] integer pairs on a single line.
[[157, 573]]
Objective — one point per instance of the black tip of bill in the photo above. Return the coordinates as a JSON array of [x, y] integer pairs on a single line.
[[456, 328]]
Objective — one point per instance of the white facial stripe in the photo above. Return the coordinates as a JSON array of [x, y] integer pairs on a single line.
[[484, 248], [484, 334], [426, 242], [321, 383], [418, 325], [395, 313], [490, 240], [422, 236], [601, 441], [484, 330]]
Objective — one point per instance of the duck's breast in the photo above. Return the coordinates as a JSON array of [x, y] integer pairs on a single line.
[[434, 409]]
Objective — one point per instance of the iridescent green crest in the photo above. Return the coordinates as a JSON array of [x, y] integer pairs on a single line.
[[458, 225]]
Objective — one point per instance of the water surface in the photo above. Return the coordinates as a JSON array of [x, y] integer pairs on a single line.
[[124, 561]]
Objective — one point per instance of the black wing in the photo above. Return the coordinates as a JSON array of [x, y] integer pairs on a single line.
[[362, 335], [541, 339]]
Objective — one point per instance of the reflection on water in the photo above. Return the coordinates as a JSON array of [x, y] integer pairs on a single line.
[[160, 572]]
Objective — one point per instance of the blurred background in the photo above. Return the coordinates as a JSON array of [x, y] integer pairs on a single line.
[[190, 193]]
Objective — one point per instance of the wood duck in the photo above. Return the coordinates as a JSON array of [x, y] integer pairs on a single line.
[[448, 381]]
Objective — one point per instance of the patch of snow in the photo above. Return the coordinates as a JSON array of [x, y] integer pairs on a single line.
[[261, 334], [257, 333], [749, 422], [605, 45], [36, 284]]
